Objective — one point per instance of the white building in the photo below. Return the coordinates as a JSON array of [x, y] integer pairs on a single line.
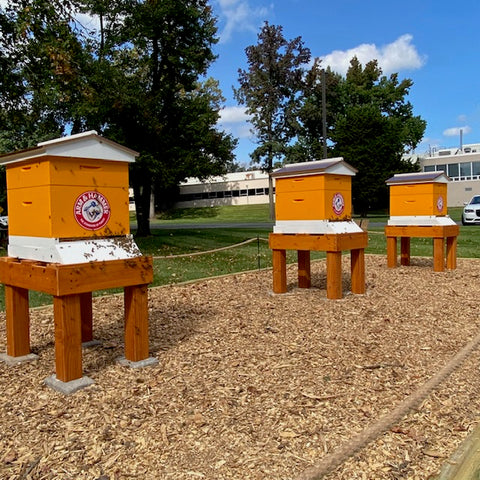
[[239, 188], [462, 165]]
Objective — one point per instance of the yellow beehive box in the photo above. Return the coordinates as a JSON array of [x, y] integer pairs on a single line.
[[418, 194], [71, 188], [314, 191]]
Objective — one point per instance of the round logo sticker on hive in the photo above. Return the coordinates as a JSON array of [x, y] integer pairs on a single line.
[[338, 204], [440, 203], [92, 210]]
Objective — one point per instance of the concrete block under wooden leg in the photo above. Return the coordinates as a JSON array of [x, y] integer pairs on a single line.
[[9, 360], [147, 362], [70, 387], [91, 343]]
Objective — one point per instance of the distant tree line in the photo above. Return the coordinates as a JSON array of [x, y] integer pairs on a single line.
[[138, 77], [299, 111]]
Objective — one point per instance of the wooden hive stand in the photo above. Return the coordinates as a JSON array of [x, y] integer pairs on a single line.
[[333, 245], [72, 287], [441, 235]]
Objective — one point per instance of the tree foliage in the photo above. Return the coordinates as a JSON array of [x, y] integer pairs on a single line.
[[134, 77], [373, 128], [270, 89], [368, 120], [310, 139]]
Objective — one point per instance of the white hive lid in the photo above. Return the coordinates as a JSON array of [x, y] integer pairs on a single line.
[[420, 177], [87, 145], [317, 167]]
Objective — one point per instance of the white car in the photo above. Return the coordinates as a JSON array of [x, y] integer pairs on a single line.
[[471, 211]]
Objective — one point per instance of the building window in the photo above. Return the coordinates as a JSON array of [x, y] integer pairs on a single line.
[[475, 168], [452, 170], [429, 168], [441, 168], [465, 169], [228, 193], [243, 193]]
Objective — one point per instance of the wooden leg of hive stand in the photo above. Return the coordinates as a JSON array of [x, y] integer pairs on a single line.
[[136, 322], [279, 260], [405, 251], [87, 316], [18, 321], [334, 275], [391, 252], [358, 270], [438, 254], [304, 276], [68, 337], [451, 253]]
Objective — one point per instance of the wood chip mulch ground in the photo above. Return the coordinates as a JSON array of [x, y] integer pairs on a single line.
[[252, 385]]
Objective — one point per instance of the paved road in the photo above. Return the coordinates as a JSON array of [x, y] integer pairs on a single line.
[[176, 226], [171, 226]]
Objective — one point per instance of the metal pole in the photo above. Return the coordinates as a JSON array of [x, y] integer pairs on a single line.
[[324, 114]]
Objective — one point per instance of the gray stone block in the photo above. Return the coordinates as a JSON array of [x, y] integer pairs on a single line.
[[70, 387], [140, 364], [17, 360]]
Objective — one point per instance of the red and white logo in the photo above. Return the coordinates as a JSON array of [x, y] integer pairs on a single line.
[[338, 204], [92, 210], [440, 203]]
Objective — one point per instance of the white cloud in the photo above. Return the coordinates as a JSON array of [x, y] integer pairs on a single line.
[[462, 118], [455, 131], [234, 120], [233, 115], [239, 16], [393, 57]]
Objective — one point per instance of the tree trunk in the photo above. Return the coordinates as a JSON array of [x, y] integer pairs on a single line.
[[142, 206], [271, 198]]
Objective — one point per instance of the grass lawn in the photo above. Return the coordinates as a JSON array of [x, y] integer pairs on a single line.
[[169, 242], [223, 214]]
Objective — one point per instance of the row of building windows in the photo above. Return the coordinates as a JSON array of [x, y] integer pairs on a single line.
[[457, 171], [188, 197]]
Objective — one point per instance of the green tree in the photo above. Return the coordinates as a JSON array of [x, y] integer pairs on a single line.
[[133, 79], [39, 56], [150, 56], [311, 141], [374, 127], [271, 90]]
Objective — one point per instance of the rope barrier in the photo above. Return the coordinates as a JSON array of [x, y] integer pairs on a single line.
[[228, 247], [336, 458]]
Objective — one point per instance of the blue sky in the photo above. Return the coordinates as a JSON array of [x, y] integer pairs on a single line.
[[434, 43]]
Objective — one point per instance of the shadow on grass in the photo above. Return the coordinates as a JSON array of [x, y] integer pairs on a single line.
[[189, 213]]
